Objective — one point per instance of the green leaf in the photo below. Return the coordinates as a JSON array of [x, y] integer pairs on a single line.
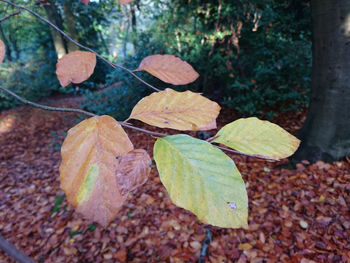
[[201, 178], [257, 137]]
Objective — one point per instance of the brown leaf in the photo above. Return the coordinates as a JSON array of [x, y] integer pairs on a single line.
[[87, 171], [2, 51], [133, 170], [123, 2], [75, 67], [169, 69]]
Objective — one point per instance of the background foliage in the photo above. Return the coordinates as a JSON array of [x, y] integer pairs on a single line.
[[254, 56]]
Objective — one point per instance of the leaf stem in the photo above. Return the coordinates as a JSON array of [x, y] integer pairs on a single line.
[[113, 65]]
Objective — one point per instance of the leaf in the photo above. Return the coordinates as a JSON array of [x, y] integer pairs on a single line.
[[2, 51], [123, 2], [89, 164], [201, 178], [75, 67], [169, 69], [86, 2], [177, 110], [133, 170], [257, 137]]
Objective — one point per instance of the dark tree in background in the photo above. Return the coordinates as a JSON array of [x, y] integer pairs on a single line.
[[326, 132]]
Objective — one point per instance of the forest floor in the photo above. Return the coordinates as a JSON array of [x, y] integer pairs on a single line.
[[295, 215]]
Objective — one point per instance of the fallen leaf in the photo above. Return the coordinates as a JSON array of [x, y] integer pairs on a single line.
[[169, 69], [245, 246], [75, 67], [87, 171], [177, 110]]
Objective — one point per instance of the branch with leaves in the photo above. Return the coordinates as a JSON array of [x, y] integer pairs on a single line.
[[100, 165]]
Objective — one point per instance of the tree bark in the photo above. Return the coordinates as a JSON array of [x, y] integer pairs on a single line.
[[326, 132], [7, 46], [55, 17], [70, 25]]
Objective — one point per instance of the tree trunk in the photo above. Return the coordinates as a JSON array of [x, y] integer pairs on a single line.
[[326, 132], [70, 25], [55, 17], [7, 46]]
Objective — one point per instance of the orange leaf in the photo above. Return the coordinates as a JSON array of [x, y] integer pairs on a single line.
[[177, 110], [133, 170], [75, 67], [89, 163], [2, 51], [86, 2], [123, 2], [169, 69]]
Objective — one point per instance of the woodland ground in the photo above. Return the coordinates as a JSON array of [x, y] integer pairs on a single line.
[[298, 215]]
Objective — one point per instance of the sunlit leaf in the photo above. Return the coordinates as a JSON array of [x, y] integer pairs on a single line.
[[169, 69], [133, 170], [86, 2], [201, 178], [89, 164], [75, 67], [2, 51], [124, 1], [257, 137], [177, 110]]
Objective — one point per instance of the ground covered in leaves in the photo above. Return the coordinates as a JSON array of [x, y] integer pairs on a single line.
[[295, 215]]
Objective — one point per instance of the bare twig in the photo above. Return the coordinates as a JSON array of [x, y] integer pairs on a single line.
[[9, 15], [113, 65], [122, 123], [13, 252], [44, 107]]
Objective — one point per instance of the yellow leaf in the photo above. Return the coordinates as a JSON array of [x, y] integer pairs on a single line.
[[177, 110], [2, 51], [257, 137], [89, 164], [201, 178], [169, 69], [133, 170], [245, 246], [75, 67]]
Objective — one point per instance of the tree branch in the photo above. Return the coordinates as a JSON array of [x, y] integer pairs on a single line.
[[9, 15], [13, 252], [78, 44], [122, 123]]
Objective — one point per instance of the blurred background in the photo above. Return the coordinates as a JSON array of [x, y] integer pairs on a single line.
[[252, 56]]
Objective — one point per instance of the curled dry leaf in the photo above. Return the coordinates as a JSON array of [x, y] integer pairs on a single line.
[[123, 2], [177, 110], [169, 69], [2, 51], [75, 67], [133, 170], [87, 171], [86, 2], [257, 137]]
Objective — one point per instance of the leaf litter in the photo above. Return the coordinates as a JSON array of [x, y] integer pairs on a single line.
[[298, 215]]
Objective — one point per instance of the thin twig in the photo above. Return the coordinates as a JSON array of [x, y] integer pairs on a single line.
[[122, 123], [113, 65], [44, 107], [9, 15]]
